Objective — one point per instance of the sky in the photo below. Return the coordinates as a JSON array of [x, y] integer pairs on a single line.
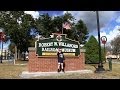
[[109, 21]]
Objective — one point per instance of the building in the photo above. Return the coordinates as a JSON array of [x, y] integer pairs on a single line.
[[4, 53]]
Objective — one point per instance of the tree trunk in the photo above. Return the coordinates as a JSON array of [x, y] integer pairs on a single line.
[[15, 52], [24, 55], [18, 54]]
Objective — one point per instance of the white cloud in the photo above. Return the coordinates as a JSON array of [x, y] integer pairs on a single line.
[[35, 14], [111, 35], [55, 15], [89, 17], [118, 20], [114, 33], [65, 12]]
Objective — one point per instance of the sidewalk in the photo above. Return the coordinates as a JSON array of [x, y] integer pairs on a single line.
[[26, 74]]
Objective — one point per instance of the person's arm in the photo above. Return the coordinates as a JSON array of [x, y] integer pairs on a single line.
[[58, 55], [63, 57]]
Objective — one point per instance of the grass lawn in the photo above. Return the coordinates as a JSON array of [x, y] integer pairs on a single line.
[[10, 71]]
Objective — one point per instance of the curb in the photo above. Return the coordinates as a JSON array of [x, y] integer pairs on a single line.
[[26, 74]]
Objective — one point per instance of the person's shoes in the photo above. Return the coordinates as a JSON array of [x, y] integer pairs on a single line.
[[58, 70], [63, 70]]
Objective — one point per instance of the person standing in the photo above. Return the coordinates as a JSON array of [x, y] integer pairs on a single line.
[[61, 59]]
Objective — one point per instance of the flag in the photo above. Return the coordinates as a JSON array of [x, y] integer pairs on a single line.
[[67, 25]]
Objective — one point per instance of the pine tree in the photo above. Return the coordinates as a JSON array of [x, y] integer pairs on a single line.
[[92, 51]]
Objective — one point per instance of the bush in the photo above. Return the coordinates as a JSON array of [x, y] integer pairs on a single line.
[[92, 51]]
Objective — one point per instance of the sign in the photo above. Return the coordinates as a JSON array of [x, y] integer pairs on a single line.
[[49, 46], [2, 36], [104, 39]]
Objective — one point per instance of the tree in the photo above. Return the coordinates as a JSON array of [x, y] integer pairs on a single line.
[[9, 23], [108, 47], [11, 47], [58, 22], [115, 43], [68, 17], [92, 51], [44, 25], [81, 32], [25, 30], [17, 26]]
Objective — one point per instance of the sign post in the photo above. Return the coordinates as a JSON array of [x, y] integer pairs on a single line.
[[104, 40]]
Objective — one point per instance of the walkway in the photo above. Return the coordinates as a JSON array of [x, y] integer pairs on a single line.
[[26, 74]]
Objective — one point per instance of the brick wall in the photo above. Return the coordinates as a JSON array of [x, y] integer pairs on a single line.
[[49, 64]]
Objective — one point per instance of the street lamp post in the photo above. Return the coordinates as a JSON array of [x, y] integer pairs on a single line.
[[100, 65]]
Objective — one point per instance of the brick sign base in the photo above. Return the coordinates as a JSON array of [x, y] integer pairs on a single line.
[[49, 64]]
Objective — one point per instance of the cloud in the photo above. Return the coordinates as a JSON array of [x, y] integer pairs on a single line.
[[55, 15], [35, 14], [111, 35], [106, 18], [65, 12], [118, 20], [89, 18]]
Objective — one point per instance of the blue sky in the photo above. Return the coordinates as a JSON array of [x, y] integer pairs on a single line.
[[52, 13], [109, 21]]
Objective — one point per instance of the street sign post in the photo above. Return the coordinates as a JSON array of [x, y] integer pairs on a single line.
[[104, 40]]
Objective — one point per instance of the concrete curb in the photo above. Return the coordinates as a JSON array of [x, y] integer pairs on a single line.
[[26, 74]]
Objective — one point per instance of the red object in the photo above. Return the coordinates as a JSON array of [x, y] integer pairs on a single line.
[[104, 39], [103, 42], [40, 64], [67, 25], [2, 36]]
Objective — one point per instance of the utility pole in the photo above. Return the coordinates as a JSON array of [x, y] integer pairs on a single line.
[[100, 65]]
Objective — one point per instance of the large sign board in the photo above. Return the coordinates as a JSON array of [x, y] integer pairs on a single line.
[[49, 46]]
